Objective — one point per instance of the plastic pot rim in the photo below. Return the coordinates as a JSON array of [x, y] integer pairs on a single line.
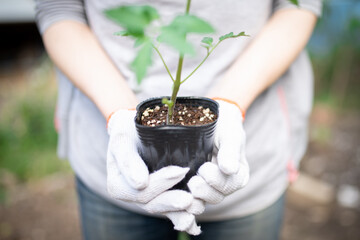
[[138, 125]]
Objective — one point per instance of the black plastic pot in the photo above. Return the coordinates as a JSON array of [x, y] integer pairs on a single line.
[[184, 146]]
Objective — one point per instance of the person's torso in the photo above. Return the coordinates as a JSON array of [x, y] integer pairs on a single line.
[[275, 123]]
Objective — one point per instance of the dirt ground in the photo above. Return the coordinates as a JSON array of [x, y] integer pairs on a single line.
[[335, 163], [47, 209], [41, 210]]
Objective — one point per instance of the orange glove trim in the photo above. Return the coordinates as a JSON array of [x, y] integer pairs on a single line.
[[232, 102], [108, 118]]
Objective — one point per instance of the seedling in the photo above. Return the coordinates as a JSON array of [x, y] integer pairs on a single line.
[[138, 23]]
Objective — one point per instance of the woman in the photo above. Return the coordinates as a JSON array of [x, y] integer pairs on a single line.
[[268, 76]]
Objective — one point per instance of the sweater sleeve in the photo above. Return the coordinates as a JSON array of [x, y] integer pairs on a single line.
[[314, 6], [49, 12]]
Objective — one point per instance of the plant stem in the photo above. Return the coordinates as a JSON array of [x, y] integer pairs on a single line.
[[207, 55], [162, 59], [177, 82], [188, 6], [175, 90]]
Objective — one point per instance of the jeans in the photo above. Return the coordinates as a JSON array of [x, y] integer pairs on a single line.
[[102, 220]]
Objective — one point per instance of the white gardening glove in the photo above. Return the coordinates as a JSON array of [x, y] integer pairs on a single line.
[[128, 178], [228, 171], [185, 220]]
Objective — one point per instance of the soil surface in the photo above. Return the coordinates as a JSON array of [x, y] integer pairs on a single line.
[[183, 115]]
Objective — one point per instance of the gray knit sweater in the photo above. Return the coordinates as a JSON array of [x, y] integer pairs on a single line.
[[276, 122]]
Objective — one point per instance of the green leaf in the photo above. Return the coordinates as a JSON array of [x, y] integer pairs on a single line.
[[122, 33], [140, 41], [176, 39], [296, 2], [133, 18], [231, 35], [175, 33], [142, 61], [208, 41], [191, 24]]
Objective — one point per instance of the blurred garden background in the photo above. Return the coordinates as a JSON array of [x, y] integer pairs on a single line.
[[37, 198]]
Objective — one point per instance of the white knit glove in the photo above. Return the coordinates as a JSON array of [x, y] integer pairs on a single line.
[[128, 178], [228, 171]]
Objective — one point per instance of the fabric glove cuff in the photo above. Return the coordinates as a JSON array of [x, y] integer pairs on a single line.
[[111, 114], [243, 112]]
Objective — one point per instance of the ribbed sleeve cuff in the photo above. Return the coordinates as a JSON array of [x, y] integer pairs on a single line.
[[49, 12]]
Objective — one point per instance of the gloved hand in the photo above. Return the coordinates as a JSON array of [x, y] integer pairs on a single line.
[[228, 171], [128, 178]]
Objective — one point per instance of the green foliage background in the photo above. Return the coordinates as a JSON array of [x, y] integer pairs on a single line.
[[335, 52], [27, 134]]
